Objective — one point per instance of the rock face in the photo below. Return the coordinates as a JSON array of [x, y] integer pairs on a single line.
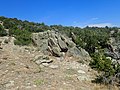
[[114, 48], [62, 45], [53, 43]]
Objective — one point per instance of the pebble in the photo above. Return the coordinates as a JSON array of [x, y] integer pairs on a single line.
[[38, 62], [53, 66], [81, 71], [83, 78], [10, 83], [34, 85], [45, 64]]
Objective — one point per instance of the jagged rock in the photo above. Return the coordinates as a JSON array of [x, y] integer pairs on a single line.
[[112, 55], [62, 45], [38, 62], [63, 38], [74, 52], [84, 53], [52, 43], [57, 44], [73, 37], [44, 45], [115, 46], [42, 59], [78, 52], [70, 44], [68, 41], [40, 40], [45, 64], [56, 51]]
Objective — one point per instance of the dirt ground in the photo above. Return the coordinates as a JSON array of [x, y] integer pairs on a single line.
[[19, 72]]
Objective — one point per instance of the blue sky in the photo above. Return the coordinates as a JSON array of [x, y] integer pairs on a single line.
[[65, 12]]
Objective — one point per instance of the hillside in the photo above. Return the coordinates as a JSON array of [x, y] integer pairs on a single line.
[[41, 57]]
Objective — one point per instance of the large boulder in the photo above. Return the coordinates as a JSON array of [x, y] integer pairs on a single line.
[[62, 45], [79, 52], [54, 47], [40, 40], [74, 52], [56, 51]]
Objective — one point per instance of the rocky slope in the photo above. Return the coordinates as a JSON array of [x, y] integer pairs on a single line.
[[28, 68]]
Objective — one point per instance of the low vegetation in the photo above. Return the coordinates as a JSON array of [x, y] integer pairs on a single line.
[[92, 39], [2, 31], [110, 72], [39, 82]]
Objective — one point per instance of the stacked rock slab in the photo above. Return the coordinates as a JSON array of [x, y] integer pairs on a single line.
[[52, 42]]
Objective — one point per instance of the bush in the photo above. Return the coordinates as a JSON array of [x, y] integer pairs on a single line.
[[23, 37], [2, 31], [109, 72]]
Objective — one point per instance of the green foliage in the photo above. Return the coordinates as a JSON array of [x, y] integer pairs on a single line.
[[109, 71], [93, 38], [89, 38], [100, 63], [2, 31], [39, 82], [23, 37], [21, 30]]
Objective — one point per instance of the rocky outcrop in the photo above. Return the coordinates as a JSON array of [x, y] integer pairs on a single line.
[[113, 49], [53, 43]]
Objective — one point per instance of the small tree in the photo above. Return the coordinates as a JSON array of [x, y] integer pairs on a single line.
[[109, 71], [2, 31]]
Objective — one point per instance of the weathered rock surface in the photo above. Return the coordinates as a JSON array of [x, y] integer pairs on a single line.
[[56, 51], [53, 43], [53, 66], [113, 50], [42, 59], [62, 45]]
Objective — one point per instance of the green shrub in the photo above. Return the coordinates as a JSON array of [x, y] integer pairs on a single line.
[[2, 31], [23, 37], [108, 71], [100, 63]]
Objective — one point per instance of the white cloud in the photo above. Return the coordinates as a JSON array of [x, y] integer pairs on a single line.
[[76, 24], [101, 25], [84, 24], [94, 18]]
